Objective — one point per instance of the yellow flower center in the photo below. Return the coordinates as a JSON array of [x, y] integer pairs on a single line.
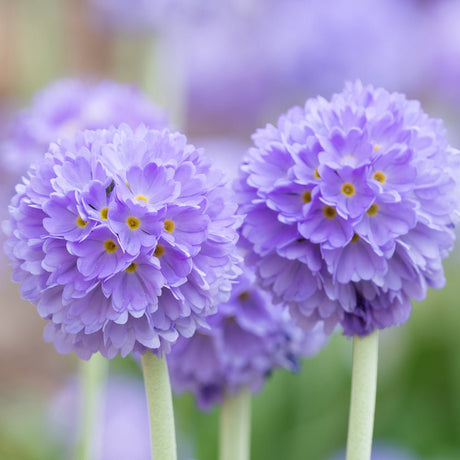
[[348, 189], [159, 251], [355, 238], [110, 246], [306, 196], [169, 225], [372, 211], [244, 296], [317, 176], [132, 267], [379, 176], [349, 157], [81, 223], [104, 213], [142, 197], [376, 147], [133, 222], [329, 212]]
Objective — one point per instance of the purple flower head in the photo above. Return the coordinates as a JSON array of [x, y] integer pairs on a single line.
[[124, 240], [350, 206], [249, 337]]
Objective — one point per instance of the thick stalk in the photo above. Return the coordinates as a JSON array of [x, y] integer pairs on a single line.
[[235, 427], [92, 382], [363, 390], [159, 399]]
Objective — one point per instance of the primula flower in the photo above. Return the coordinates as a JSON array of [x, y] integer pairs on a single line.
[[350, 207], [249, 337], [123, 239]]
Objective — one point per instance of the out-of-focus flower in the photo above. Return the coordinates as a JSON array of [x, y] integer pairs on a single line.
[[247, 59], [67, 106], [122, 427], [137, 17], [350, 208], [276, 52], [123, 239], [249, 337], [385, 451], [442, 67]]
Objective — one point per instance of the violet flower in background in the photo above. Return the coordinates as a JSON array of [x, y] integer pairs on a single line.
[[280, 51], [140, 16], [129, 16], [385, 451], [350, 207], [248, 339], [247, 60], [67, 106], [124, 240], [442, 70], [122, 428], [276, 52]]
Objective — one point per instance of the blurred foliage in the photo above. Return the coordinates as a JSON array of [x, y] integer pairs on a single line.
[[305, 415]]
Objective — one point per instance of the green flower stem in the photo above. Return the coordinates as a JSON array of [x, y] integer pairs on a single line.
[[363, 390], [235, 427], [159, 398], [92, 376]]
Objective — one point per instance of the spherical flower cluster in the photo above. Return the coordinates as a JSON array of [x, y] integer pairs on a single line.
[[123, 240], [350, 208], [67, 106], [248, 338]]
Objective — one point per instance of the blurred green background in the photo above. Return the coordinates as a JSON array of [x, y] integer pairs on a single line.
[[296, 416]]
